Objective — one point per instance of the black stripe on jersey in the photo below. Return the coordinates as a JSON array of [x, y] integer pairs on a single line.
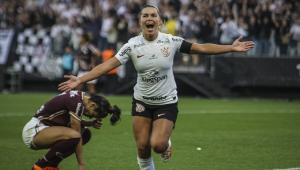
[[185, 47]]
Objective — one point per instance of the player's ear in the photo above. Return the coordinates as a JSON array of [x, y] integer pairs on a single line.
[[93, 104]]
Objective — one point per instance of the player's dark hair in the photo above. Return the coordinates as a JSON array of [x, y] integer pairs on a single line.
[[149, 5], [104, 108], [86, 37]]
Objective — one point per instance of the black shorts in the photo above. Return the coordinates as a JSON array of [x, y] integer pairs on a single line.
[[167, 111]]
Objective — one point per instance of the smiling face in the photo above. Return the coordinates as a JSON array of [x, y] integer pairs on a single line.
[[150, 22]]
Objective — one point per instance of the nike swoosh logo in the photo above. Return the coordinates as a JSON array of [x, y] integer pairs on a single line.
[[161, 114], [139, 56]]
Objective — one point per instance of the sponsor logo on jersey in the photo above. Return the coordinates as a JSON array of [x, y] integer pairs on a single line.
[[177, 39], [153, 77], [139, 108], [139, 56], [138, 45], [152, 57], [155, 98], [162, 42], [165, 52], [126, 50]]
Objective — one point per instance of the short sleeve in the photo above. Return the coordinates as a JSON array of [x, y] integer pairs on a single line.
[[124, 53], [76, 110], [92, 48], [176, 42]]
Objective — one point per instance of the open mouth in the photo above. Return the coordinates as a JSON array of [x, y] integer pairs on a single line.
[[149, 25]]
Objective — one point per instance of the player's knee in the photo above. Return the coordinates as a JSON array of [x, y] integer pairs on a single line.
[[159, 146], [143, 149], [86, 136]]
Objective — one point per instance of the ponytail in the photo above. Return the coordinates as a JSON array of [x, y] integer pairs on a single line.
[[115, 112], [104, 108]]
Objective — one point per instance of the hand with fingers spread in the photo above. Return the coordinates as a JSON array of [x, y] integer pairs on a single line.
[[97, 123], [72, 83], [242, 46]]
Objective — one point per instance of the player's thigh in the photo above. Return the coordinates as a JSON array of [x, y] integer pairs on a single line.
[[161, 131], [141, 129], [48, 136], [164, 119]]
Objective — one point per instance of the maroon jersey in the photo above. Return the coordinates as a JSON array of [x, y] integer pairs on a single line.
[[86, 54], [57, 111]]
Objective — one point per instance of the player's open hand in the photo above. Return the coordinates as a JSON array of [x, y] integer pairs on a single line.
[[242, 46], [72, 83], [97, 123]]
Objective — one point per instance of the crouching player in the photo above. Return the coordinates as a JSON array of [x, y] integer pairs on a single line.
[[58, 126]]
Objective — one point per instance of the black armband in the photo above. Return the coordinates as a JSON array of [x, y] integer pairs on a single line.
[[185, 47]]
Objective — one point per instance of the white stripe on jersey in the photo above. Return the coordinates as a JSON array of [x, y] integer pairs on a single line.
[[92, 48], [75, 116]]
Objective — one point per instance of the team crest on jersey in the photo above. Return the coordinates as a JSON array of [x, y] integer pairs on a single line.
[[139, 108], [165, 51]]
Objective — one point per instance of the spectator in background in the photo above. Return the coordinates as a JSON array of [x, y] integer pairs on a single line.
[[295, 41], [229, 30], [76, 31], [253, 35], [283, 32], [107, 23], [67, 61], [122, 28], [189, 32], [111, 78], [135, 29], [112, 34], [60, 33], [48, 17], [93, 26], [87, 58], [264, 36]]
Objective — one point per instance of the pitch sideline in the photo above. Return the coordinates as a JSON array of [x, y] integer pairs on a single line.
[[285, 169]]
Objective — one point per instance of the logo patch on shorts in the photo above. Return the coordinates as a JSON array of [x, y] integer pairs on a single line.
[[161, 114], [139, 108]]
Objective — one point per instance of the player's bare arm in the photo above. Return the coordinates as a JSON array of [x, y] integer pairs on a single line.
[[98, 71], [76, 125], [213, 49]]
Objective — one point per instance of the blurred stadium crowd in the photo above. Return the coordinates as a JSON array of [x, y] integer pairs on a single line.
[[274, 25]]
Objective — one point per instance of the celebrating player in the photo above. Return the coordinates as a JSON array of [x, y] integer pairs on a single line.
[[154, 106], [87, 58], [58, 126]]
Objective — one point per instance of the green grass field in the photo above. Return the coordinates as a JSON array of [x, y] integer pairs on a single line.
[[232, 134]]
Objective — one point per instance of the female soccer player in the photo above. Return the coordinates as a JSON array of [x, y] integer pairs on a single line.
[[154, 106], [58, 126], [87, 58]]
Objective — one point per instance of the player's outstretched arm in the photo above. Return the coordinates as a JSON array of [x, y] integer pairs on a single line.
[[213, 49], [98, 71]]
